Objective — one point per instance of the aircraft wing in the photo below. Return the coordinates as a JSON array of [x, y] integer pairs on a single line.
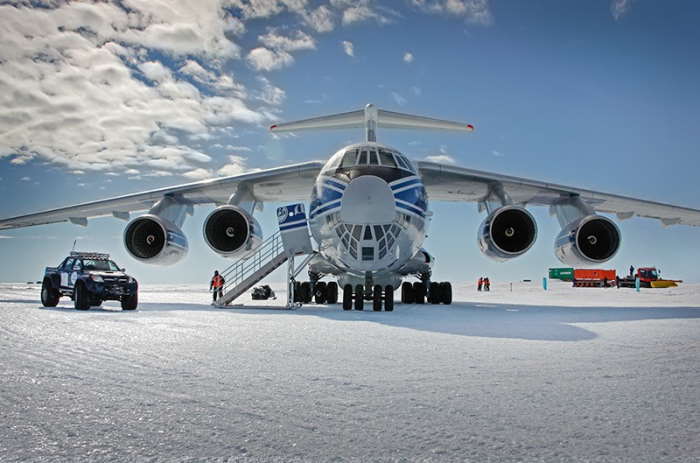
[[452, 183], [288, 183]]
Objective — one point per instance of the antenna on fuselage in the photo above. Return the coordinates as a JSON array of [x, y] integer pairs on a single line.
[[370, 118]]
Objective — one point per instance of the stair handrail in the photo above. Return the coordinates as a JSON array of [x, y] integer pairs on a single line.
[[243, 268]]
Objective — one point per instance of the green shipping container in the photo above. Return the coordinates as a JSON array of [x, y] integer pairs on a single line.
[[564, 274]]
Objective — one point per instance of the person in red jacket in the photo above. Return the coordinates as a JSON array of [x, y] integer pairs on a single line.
[[217, 285], [480, 284]]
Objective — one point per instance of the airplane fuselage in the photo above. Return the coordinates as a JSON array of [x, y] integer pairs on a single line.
[[369, 212]]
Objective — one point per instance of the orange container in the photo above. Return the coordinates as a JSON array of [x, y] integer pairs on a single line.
[[594, 274]]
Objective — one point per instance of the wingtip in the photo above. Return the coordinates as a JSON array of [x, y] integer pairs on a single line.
[[470, 127], [273, 127]]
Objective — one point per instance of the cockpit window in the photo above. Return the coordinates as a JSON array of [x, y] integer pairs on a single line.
[[386, 158], [405, 162], [373, 160], [363, 158], [349, 158], [401, 161]]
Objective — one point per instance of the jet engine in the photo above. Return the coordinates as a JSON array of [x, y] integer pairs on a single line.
[[589, 240], [154, 240], [232, 232], [507, 232]]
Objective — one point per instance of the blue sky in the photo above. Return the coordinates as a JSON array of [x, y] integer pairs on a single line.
[[598, 94]]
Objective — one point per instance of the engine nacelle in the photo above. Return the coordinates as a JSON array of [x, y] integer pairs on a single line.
[[507, 232], [232, 232], [154, 240], [593, 239]]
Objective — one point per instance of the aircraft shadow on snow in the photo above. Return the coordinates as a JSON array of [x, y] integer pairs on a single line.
[[539, 323]]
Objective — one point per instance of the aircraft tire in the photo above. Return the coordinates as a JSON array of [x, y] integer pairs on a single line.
[[347, 297], [49, 296], [419, 292], [297, 291], [446, 292], [81, 297], [305, 292], [320, 292], [359, 297], [377, 298], [407, 294], [434, 293], [389, 298], [332, 292]]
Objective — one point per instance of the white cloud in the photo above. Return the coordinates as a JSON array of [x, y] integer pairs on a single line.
[[473, 11], [5, 237], [80, 86], [263, 59], [270, 94], [266, 8], [400, 100], [236, 165], [298, 41], [220, 82], [26, 179], [619, 8], [498, 154], [321, 19], [441, 158], [348, 47], [408, 57], [198, 174]]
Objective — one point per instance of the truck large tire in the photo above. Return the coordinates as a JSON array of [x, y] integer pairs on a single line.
[[49, 296], [81, 296], [130, 302]]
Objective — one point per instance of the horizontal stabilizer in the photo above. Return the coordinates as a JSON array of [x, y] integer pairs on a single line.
[[371, 118], [351, 120]]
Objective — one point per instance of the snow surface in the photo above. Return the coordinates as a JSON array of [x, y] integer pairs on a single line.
[[571, 374]]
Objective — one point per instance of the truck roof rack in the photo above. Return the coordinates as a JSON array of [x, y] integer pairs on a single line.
[[90, 255]]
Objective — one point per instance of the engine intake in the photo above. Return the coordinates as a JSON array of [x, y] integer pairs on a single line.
[[154, 240], [590, 240], [232, 232], [507, 232]]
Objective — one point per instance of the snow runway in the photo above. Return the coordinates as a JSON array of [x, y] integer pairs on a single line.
[[571, 374]]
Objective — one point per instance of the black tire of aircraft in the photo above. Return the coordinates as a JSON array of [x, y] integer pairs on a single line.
[[437, 293]]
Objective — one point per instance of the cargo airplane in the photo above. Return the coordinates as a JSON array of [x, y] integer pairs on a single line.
[[369, 213]]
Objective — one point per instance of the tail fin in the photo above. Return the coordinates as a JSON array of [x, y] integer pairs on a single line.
[[370, 118]]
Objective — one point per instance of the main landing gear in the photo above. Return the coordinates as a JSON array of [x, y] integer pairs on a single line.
[[418, 292], [356, 296], [322, 292]]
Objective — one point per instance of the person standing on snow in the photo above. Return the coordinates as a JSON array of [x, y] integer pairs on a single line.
[[217, 285], [487, 284], [480, 284]]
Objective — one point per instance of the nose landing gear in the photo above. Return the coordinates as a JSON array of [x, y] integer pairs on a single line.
[[378, 295]]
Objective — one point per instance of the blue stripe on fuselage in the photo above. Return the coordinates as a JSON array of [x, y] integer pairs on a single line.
[[325, 208], [410, 209], [403, 184]]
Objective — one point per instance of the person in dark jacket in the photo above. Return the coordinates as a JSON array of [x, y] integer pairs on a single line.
[[217, 285]]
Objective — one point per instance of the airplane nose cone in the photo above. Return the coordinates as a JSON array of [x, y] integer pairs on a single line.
[[367, 200]]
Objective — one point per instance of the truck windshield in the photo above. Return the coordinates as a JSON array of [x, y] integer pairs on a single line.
[[103, 265], [649, 274]]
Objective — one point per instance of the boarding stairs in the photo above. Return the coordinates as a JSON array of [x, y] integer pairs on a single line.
[[245, 273]]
